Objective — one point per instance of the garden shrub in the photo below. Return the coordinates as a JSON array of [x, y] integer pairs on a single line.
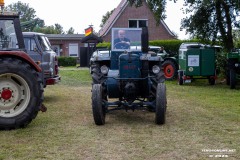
[[67, 61]]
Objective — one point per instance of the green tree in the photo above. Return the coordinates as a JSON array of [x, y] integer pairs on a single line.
[[46, 30], [212, 20], [27, 14], [59, 29], [236, 38], [71, 31], [53, 29], [105, 17]]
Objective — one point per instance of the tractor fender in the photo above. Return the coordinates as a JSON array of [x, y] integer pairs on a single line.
[[113, 84], [21, 55], [173, 59]]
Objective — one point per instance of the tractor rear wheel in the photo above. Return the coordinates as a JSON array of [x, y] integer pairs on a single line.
[[21, 93], [161, 102], [97, 105], [170, 69]]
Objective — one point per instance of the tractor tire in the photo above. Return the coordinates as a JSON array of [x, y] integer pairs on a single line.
[[97, 76], [170, 69], [21, 93], [232, 79], [212, 81], [159, 78], [161, 102], [180, 78], [98, 108]]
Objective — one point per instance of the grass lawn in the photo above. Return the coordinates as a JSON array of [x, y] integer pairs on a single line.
[[203, 121]]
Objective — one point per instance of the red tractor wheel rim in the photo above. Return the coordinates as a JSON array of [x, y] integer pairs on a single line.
[[6, 94], [168, 71]]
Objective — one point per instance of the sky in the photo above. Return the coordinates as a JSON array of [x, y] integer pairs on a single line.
[[79, 14]]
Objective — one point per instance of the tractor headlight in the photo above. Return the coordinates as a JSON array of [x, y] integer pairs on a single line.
[[51, 71], [104, 69], [156, 69]]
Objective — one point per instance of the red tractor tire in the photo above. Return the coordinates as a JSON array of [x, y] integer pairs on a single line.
[[169, 69]]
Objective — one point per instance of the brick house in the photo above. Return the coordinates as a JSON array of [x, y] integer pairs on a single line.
[[125, 16], [66, 44]]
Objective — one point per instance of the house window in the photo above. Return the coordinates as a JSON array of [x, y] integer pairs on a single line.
[[73, 50], [137, 23]]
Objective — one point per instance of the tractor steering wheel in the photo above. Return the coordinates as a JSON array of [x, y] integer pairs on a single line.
[[122, 45]]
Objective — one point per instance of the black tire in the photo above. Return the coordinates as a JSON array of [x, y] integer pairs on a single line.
[[180, 77], [97, 76], [21, 93], [170, 69], [212, 81], [98, 108], [161, 103], [232, 79], [159, 78]]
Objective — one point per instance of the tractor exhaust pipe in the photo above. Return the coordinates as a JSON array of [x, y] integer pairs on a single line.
[[144, 38]]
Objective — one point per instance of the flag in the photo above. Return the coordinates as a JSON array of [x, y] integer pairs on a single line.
[[88, 31]]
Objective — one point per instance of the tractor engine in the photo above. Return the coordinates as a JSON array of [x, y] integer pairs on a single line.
[[129, 69]]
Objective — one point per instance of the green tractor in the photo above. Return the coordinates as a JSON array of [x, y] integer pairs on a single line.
[[233, 65], [130, 76], [170, 61]]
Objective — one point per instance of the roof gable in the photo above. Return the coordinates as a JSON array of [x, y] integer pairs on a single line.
[[114, 16], [118, 12]]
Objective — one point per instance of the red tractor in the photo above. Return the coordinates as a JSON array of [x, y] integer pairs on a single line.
[[21, 88]]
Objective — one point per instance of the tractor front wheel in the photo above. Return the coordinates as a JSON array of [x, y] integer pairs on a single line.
[[97, 76], [161, 102], [97, 105]]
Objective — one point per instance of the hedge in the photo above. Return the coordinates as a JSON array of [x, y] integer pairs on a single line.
[[67, 61], [169, 45], [172, 47]]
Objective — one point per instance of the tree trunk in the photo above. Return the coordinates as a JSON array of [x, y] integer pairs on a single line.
[[226, 34]]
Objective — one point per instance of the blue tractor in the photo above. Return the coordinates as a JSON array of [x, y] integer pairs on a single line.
[[131, 75]]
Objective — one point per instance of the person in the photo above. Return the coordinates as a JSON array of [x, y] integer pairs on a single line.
[[121, 42]]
